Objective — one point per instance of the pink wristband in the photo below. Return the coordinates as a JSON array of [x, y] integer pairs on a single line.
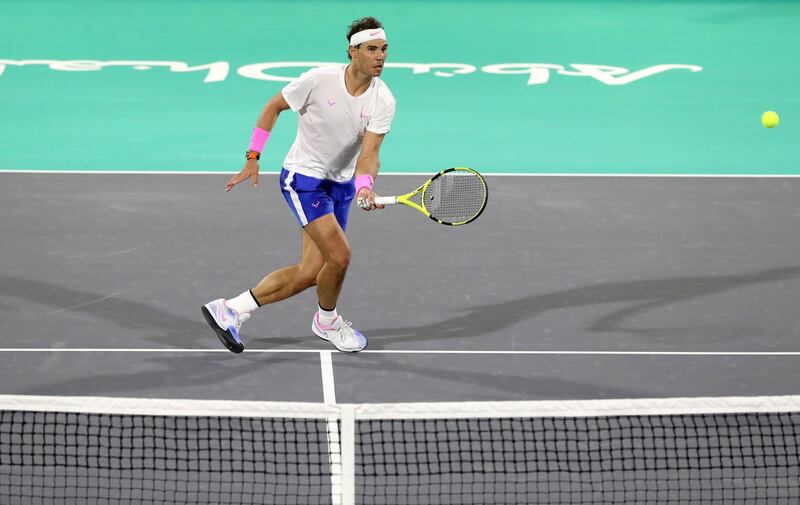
[[258, 139], [364, 181]]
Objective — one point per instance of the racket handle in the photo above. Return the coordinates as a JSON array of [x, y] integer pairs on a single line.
[[385, 200]]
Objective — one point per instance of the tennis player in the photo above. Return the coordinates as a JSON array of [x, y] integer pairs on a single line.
[[344, 112]]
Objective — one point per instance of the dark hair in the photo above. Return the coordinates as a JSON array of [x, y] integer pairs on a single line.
[[368, 23]]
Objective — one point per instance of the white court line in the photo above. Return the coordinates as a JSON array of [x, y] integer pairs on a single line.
[[416, 351], [334, 438], [328, 386], [425, 174]]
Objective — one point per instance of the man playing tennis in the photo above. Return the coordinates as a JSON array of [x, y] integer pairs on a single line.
[[343, 114]]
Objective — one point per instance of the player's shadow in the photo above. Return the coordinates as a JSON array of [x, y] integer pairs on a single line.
[[163, 372], [644, 296], [150, 321]]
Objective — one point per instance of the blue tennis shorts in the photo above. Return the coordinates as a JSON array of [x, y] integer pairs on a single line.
[[311, 198]]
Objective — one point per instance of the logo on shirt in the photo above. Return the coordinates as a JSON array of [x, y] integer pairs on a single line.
[[315, 204], [331, 103]]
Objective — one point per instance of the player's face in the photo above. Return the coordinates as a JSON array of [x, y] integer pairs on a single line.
[[371, 56]]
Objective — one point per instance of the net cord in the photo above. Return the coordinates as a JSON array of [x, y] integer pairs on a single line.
[[169, 407], [579, 408], [411, 410]]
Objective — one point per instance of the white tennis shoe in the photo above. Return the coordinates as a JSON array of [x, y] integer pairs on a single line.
[[226, 323], [340, 333]]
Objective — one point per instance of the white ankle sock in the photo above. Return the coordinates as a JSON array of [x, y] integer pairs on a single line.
[[327, 317], [244, 303]]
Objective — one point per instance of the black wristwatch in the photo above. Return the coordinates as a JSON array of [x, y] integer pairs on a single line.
[[252, 155]]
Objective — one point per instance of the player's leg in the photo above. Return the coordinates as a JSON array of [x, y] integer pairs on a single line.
[[327, 323], [288, 281], [328, 233], [332, 244], [320, 206], [227, 316]]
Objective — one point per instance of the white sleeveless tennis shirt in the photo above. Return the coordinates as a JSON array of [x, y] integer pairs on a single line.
[[331, 122]]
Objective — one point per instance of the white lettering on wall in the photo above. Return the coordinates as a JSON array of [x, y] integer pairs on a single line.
[[537, 73], [217, 71], [257, 70]]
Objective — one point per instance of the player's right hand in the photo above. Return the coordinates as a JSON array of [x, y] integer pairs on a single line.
[[366, 200], [250, 171]]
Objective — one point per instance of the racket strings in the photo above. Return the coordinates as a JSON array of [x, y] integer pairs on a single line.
[[455, 197]]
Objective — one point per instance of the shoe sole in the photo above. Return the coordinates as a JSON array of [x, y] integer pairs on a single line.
[[322, 337], [225, 336]]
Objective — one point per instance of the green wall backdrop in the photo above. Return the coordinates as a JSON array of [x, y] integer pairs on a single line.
[[727, 62]]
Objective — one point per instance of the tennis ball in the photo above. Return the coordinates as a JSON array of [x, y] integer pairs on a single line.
[[770, 119]]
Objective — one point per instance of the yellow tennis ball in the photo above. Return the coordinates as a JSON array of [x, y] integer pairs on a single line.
[[770, 119]]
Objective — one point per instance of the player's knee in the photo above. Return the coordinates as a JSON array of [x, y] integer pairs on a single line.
[[340, 259], [340, 263]]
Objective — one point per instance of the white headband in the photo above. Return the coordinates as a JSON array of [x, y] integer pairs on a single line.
[[365, 35]]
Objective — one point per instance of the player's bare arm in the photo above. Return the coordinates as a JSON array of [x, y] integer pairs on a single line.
[[368, 164], [266, 122]]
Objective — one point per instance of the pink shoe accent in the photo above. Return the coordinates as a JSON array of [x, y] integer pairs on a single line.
[[321, 326]]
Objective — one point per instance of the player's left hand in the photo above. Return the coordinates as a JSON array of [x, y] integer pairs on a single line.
[[250, 171], [366, 200]]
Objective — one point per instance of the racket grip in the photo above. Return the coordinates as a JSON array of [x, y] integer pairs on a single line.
[[385, 200]]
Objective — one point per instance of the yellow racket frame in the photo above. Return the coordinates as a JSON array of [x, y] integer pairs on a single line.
[[406, 199]]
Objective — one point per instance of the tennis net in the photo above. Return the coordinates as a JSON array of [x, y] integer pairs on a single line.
[[679, 450]]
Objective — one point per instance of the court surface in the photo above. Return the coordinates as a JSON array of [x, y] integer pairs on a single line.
[[566, 288]]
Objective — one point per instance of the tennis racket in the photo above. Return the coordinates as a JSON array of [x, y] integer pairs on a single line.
[[453, 197]]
